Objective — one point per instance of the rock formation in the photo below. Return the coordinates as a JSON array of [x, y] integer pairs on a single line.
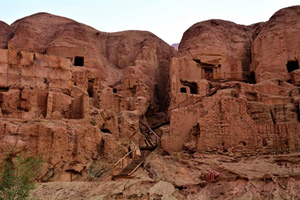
[[70, 93], [275, 51], [212, 90], [227, 101], [6, 34]]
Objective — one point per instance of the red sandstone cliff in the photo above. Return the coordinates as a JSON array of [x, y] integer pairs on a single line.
[[76, 96], [108, 55], [6, 34], [275, 52], [70, 92]]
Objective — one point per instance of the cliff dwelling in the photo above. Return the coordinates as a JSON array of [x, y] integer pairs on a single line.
[[210, 70], [96, 109], [208, 73]]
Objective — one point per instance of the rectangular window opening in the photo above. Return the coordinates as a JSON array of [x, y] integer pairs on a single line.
[[79, 61]]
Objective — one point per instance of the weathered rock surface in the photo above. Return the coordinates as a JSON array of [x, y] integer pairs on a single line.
[[76, 96], [210, 111], [66, 147], [220, 42], [275, 51], [6, 34], [245, 118], [78, 83], [185, 176], [108, 55]]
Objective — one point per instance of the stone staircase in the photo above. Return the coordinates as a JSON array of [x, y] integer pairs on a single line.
[[127, 165]]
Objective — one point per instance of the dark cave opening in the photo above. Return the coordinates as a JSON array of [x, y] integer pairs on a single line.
[[197, 61], [264, 143], [4, 89], [183, 90], [90, 88], [104, 130], [292, 65], [192, 85], [78, 61]]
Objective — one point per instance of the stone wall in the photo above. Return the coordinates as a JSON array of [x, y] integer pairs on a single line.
[[35, 85]]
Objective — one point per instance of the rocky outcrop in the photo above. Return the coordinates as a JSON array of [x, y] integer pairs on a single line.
[[218, 42], [183, 176], [208, 114], [6, 34], [66, 147], [107, 55], [275, 51], [79, 84], [76, 97], [237, 117], [213, 50]]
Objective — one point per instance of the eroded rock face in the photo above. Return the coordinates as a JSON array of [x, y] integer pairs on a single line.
[[212, 50], [66, 147], [69, 84], [76, 96], [6, 34], [230, 43], [275, 51], [183, 176], [210, 111], [107, 55], [245, 118]]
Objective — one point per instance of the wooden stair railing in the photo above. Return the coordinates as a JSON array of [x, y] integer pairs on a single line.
[[121, 164], [150, 130], [127, 165]]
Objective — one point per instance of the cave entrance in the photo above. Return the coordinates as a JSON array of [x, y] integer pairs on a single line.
[[104, 130], [208, 73], [90, 88], [4, 89], [78, 61], [292, 65], [192, 85], [182, 90]]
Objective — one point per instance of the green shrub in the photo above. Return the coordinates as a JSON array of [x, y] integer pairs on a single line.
[[17, 177]]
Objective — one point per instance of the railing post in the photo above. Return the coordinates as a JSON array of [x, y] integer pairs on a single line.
[[133, 153]]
